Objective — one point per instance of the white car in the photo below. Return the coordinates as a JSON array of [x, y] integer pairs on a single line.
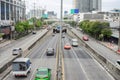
[[74, 42], [17, 51]]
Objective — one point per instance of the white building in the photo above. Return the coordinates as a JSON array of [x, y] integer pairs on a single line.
[[11, 11], [38, 13], [89, 16]]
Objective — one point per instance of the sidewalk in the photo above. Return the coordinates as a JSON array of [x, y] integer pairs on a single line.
[[111, 46]]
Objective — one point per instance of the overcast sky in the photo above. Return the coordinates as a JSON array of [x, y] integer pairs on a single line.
[[54, 5]]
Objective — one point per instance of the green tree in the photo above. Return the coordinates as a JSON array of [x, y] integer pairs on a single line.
[[106, 32], [19, 27], [38, 24]]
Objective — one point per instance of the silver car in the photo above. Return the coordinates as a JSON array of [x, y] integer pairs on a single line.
[[17, 51]]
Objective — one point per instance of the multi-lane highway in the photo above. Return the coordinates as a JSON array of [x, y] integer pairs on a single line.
[[77, 63]]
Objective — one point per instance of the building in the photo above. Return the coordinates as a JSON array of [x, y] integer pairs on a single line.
[[51, 14], [87, 5], [89, 16], [11, 11], [38, 13]]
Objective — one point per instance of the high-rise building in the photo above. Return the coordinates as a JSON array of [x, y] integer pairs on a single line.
[[87, 5], [11, 11]]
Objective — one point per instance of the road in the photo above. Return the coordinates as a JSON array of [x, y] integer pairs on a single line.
[[77, 63], [39, 59]]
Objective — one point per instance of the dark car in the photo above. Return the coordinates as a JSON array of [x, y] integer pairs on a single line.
[[33, 32], [50, 51]]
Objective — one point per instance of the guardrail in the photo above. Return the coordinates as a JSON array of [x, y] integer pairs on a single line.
[[108, 65]]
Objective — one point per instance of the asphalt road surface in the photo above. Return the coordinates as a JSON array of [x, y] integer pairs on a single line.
[[78, 64]]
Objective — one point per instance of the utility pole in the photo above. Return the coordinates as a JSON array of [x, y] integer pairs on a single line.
[[119, 35]]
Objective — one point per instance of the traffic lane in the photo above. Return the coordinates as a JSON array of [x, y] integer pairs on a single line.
[[39, 49], [72, 69], [53, 44], [47, 63], [92, 68], [43, 44]]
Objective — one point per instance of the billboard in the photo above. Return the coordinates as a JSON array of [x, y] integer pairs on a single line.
[[74, 11]]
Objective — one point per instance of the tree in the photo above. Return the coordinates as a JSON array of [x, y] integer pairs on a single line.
[[96, 29], [106, 32], [38, 24], [19, 27]]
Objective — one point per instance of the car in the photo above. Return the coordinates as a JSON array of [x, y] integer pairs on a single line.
[[33, 32], [43, 74], [50, 51], [85, 38], [74, 42], [67, 46], [118, 64], [17, 51]]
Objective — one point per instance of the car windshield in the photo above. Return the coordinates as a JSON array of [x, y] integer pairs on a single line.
[[42, 72]]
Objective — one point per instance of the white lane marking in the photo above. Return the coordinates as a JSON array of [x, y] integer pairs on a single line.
[[80, 65]]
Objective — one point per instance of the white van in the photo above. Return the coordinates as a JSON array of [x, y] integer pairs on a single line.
[[21, 67], [74, 42]]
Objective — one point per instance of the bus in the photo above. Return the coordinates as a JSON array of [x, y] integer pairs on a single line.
[[21, 67]]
